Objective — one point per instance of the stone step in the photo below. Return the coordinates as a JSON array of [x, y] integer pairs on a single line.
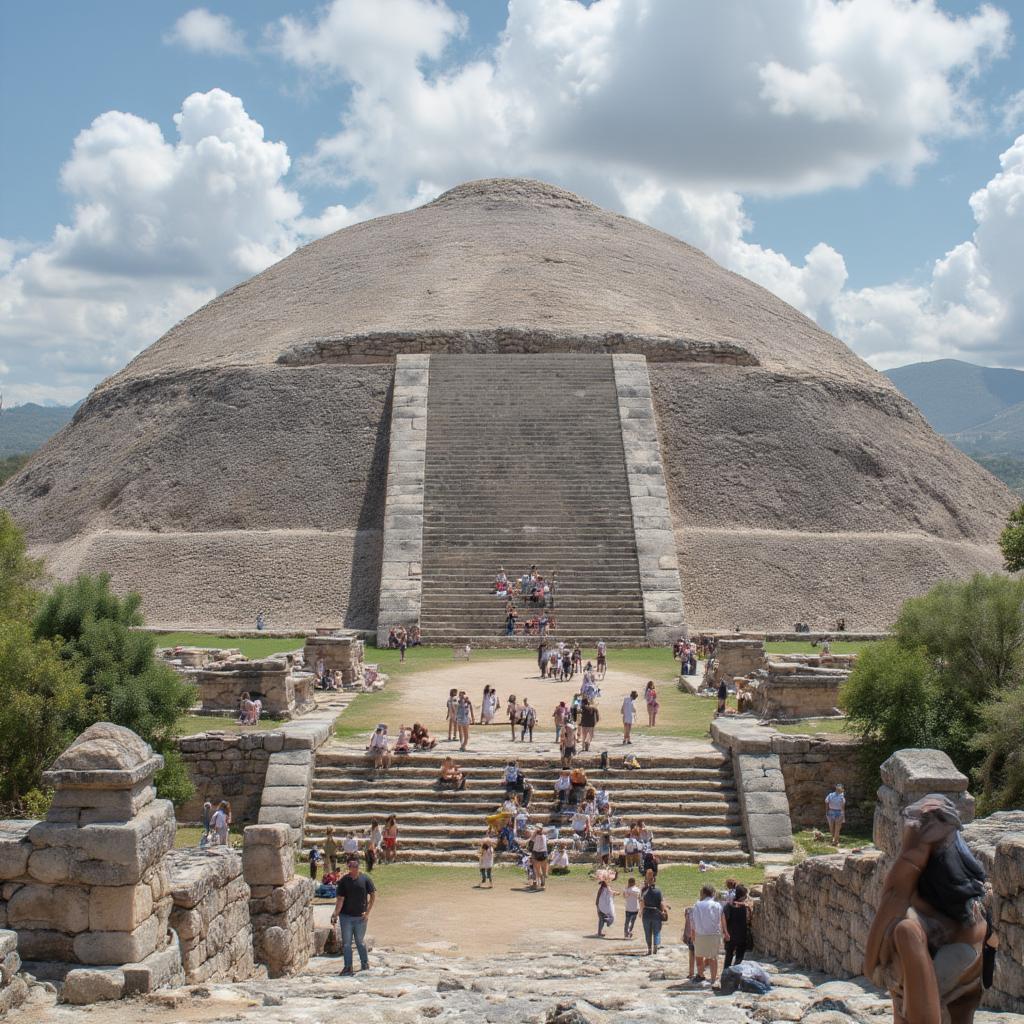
[[536, 764]]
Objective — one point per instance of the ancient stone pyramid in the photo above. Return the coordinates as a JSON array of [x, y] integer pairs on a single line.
[[241, 462]]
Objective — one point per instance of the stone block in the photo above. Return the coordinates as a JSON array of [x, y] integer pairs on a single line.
[[14, 849], [9, 966], [83, 986], [119, 908], [915, 773], [8, 942], [46, 907], [50, 865], [45, 944], [119, 947], [158, 970], [268, 865]]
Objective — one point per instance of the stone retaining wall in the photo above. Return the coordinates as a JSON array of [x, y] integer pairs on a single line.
[[226, 766], [211, 914], [812, 765], [281, 903], [385, 346], [222, 684], [819, 912]]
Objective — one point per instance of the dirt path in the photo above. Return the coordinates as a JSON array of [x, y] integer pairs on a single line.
[[421, 697], [454, 918]]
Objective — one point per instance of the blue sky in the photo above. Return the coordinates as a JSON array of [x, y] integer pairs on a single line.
[[829, 151]]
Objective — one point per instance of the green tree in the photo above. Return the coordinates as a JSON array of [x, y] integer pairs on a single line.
[[1011, 540], [117, 665], [954, 652], [19, 574], [1000, 741], [43, 705]]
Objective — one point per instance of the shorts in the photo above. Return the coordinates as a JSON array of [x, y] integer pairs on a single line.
[[834, 815], [569, 752], [390, 844], [601, 659], [706, 946], [540, 856]]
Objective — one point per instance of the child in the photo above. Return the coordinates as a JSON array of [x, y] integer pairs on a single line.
[[486, 864], [604, 846], [632, 894], [315, 857], [526, 862], [560, 860], [370, 851], [605, 903], [688, 940]]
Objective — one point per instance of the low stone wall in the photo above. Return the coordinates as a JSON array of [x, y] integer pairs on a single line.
[[211, 914], [738, 657], [281, 903], [819, 912], [788, 691], [812, 765], [221, 685], [13, 987], [225, 766]]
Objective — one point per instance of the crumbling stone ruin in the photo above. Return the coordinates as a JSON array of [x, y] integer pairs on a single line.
[[13, 987], [818, 913], [340, 652], [281, 902], [796, 686], [100, 903], [211, 914], [89, 886]]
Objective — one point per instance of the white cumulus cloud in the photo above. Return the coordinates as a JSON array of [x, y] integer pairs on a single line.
[[201, 31], [159, 227], [972, 307]]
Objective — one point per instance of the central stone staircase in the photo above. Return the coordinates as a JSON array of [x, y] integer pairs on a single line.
[[689, 803], [525, 466]]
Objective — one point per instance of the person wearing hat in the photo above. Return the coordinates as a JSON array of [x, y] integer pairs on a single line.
[[835, 811], [356, 896]]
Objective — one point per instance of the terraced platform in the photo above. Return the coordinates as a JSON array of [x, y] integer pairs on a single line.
[[525, 466], [688, 802]]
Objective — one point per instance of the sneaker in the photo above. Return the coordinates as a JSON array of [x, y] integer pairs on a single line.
[[347, 972]]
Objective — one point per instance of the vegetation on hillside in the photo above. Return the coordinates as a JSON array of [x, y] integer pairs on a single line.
[[10, 464], [1008, 468], [1011, 540], [69, 659], [951, 678]]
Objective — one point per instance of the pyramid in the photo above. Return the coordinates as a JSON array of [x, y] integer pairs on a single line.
[[240, 463]]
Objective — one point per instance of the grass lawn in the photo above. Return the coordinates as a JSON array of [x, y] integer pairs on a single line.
[[681, 884], [811, 847], [810, 726], [191, 725], [804, 647], [251, 647], [189, 835]]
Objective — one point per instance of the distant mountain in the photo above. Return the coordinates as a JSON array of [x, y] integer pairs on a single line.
[[24, 428], [956, 396], [980, 409]]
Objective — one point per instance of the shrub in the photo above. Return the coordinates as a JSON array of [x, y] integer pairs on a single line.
[[126, 684], [43, 705], [19, 574], [1011, 540], [1000, 741]]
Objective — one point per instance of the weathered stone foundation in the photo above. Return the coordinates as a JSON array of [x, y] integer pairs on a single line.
[[281, 903], [818, 913], [211, 914], [13, 987]]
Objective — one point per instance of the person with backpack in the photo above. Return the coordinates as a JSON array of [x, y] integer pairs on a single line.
[[655, 912], [737, 922]]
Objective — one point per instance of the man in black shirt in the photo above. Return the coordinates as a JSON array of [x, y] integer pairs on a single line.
[[356, 896]]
